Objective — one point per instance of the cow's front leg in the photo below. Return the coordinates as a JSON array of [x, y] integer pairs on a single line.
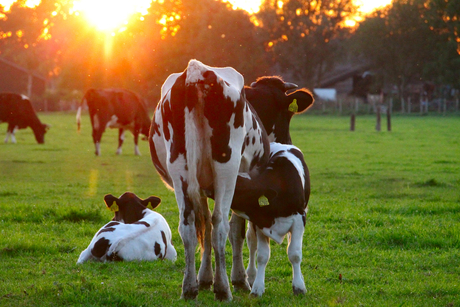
[[251, 239], [263, 255], [205, 274], [136, 141], [236, 236], [295, 256], [121, 138]]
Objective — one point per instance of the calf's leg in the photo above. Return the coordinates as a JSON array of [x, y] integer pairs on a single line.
[[263, 255], [236, 236], [295, 256], [252, 245]]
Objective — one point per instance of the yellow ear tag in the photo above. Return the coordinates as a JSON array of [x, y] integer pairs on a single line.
[[263, 201], [149, 206], [114, 207], [293, 107]]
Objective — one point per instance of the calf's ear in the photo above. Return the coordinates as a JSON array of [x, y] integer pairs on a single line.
[[152, 202], [299, 101], [110, 202]]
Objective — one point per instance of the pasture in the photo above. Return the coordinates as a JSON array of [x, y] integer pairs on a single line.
[[383, 227]]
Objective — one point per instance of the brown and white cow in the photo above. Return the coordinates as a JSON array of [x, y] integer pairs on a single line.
[[203, 133], [17, 111], [115, 108]]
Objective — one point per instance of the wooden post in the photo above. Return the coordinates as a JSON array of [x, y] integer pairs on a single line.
[[377, 126], [356, 105], [352, 122], [388, 119], [409, 105], [340, 106]]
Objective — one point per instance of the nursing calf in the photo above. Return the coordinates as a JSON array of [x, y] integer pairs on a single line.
[[275, 202], [135, 233]]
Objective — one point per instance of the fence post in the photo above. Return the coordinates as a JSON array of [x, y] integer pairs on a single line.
[[352, 122], [388, 119], [409, 105], [377, 126], [340, 106]]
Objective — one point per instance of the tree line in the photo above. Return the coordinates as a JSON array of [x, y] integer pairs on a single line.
[[410, 40]]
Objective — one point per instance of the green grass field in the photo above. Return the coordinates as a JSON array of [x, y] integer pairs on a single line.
[[384, 213]]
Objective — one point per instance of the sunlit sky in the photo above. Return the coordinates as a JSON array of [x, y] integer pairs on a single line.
[[117, 15]]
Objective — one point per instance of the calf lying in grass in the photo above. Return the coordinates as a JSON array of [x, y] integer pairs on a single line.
[[275, 203], [135, 233]]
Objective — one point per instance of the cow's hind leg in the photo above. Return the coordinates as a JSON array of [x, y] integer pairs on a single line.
[[263, 255], [295, 256], [224, 184], [252, 245], [187, 231], [121, 138], [236, 236], [205, 274]]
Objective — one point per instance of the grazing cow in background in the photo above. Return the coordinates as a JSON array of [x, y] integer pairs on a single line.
[[135, 233], [203, 133], [115, 108], [275, 102], [275, 202], [17, 111]]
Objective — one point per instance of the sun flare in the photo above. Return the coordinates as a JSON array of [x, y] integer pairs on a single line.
[[110, 15]]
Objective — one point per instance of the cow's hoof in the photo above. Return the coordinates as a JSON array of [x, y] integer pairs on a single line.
[[205, 285], [299, 291], [223, 295], [242, 286], [190, 294]]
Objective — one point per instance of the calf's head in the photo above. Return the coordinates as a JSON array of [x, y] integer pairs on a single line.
[[129, 208], [275, 102]]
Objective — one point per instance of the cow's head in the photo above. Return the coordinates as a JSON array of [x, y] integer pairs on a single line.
[[40, 131], [129, 208], [276, 103]]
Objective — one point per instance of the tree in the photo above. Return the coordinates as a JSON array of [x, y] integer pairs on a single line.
[[398, 42], [303, 36]]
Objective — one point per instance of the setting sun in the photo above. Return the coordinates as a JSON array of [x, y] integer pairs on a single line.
[[110, 15]]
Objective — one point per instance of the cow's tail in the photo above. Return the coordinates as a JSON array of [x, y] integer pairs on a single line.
[[196, 155], [79, 113]]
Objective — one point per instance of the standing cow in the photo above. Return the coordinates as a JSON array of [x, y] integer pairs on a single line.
[[203, 133], [17, 111], [212, 102], [115, 108]]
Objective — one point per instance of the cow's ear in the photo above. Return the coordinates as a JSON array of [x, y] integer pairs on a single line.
[[110, 202], [299, 101], [152, 202]]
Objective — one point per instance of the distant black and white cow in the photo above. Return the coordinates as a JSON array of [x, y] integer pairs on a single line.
[[275, 202], [135, 233], [17, 111], [115, 108], [203, 133]]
